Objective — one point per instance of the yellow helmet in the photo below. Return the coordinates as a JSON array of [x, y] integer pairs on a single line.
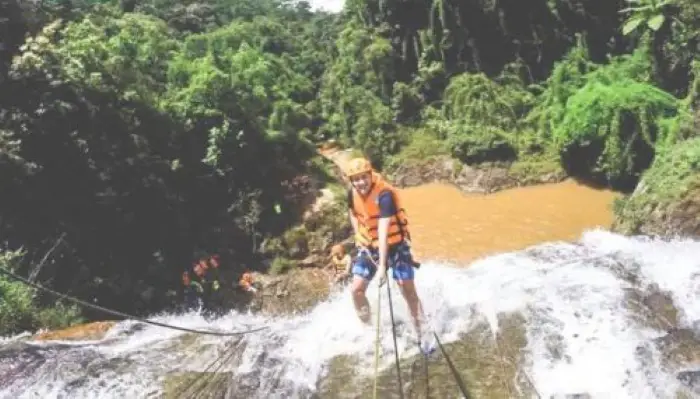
[[357, 166]]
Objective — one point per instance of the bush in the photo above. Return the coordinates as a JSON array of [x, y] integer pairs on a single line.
[[605, 119], [19, 308], [674, 174], [422, 144], [281, 265], [475, 143]]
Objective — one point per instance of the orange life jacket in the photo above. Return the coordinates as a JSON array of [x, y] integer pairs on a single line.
[[200, 268], [366, 211], [246, 280]]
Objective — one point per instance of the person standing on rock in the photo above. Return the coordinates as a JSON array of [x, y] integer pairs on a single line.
[[341, 264], [246, 282], [382, 236], [192, 293]]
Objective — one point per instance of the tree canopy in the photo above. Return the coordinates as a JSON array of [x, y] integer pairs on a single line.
[[140, 134]]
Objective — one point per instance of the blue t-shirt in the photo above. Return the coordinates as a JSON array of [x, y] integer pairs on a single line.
[[387, 206]]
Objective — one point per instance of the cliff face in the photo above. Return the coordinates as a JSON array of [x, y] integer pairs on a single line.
[[667, 200]]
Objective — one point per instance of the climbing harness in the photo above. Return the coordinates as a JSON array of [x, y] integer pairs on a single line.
[[121, 314]]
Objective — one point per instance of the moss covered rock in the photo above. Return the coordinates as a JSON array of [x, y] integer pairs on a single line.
[[481, 178], [667, 200]]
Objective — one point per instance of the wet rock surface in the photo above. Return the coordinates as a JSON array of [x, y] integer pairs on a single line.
[[483, 178], [89, 331]]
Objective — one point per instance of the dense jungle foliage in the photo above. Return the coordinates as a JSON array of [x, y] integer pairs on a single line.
[[137, 135]]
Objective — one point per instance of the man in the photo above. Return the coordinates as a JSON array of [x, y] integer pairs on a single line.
[[381, 234]]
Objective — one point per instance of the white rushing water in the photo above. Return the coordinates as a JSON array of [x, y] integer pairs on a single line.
[[569, 293]]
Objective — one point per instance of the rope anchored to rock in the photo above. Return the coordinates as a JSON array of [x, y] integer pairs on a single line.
[[458, 378], [122, 314]]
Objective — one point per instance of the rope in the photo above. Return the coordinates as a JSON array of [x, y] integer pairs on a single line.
[[460, 382], [396, 347], [376, 347], [425, 371], [121, 314], [192, 389], [393, 330], [458, 378]]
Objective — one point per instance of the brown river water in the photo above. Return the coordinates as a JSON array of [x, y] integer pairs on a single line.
[[449, 225]]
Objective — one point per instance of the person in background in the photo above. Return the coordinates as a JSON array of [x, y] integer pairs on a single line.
[[192, 292], [341, 264], [246, 282], [207, 271], [214, 262]]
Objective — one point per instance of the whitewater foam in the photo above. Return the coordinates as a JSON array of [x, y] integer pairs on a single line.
[[582, 336]]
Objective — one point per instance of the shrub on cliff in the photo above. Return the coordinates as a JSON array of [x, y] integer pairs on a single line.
[[606, 120], [20, 307], [667, 200]]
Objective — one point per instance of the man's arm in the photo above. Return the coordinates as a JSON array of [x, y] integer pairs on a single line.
[[351, 216], [383, 229], [353, 222], [387, 209]]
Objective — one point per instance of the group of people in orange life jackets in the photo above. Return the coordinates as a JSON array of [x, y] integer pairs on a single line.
[[203, 290], [382, 237]]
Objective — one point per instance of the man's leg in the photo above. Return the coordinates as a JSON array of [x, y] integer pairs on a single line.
[[363, 270], [359, 286], [408, 290], [404, 274]]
